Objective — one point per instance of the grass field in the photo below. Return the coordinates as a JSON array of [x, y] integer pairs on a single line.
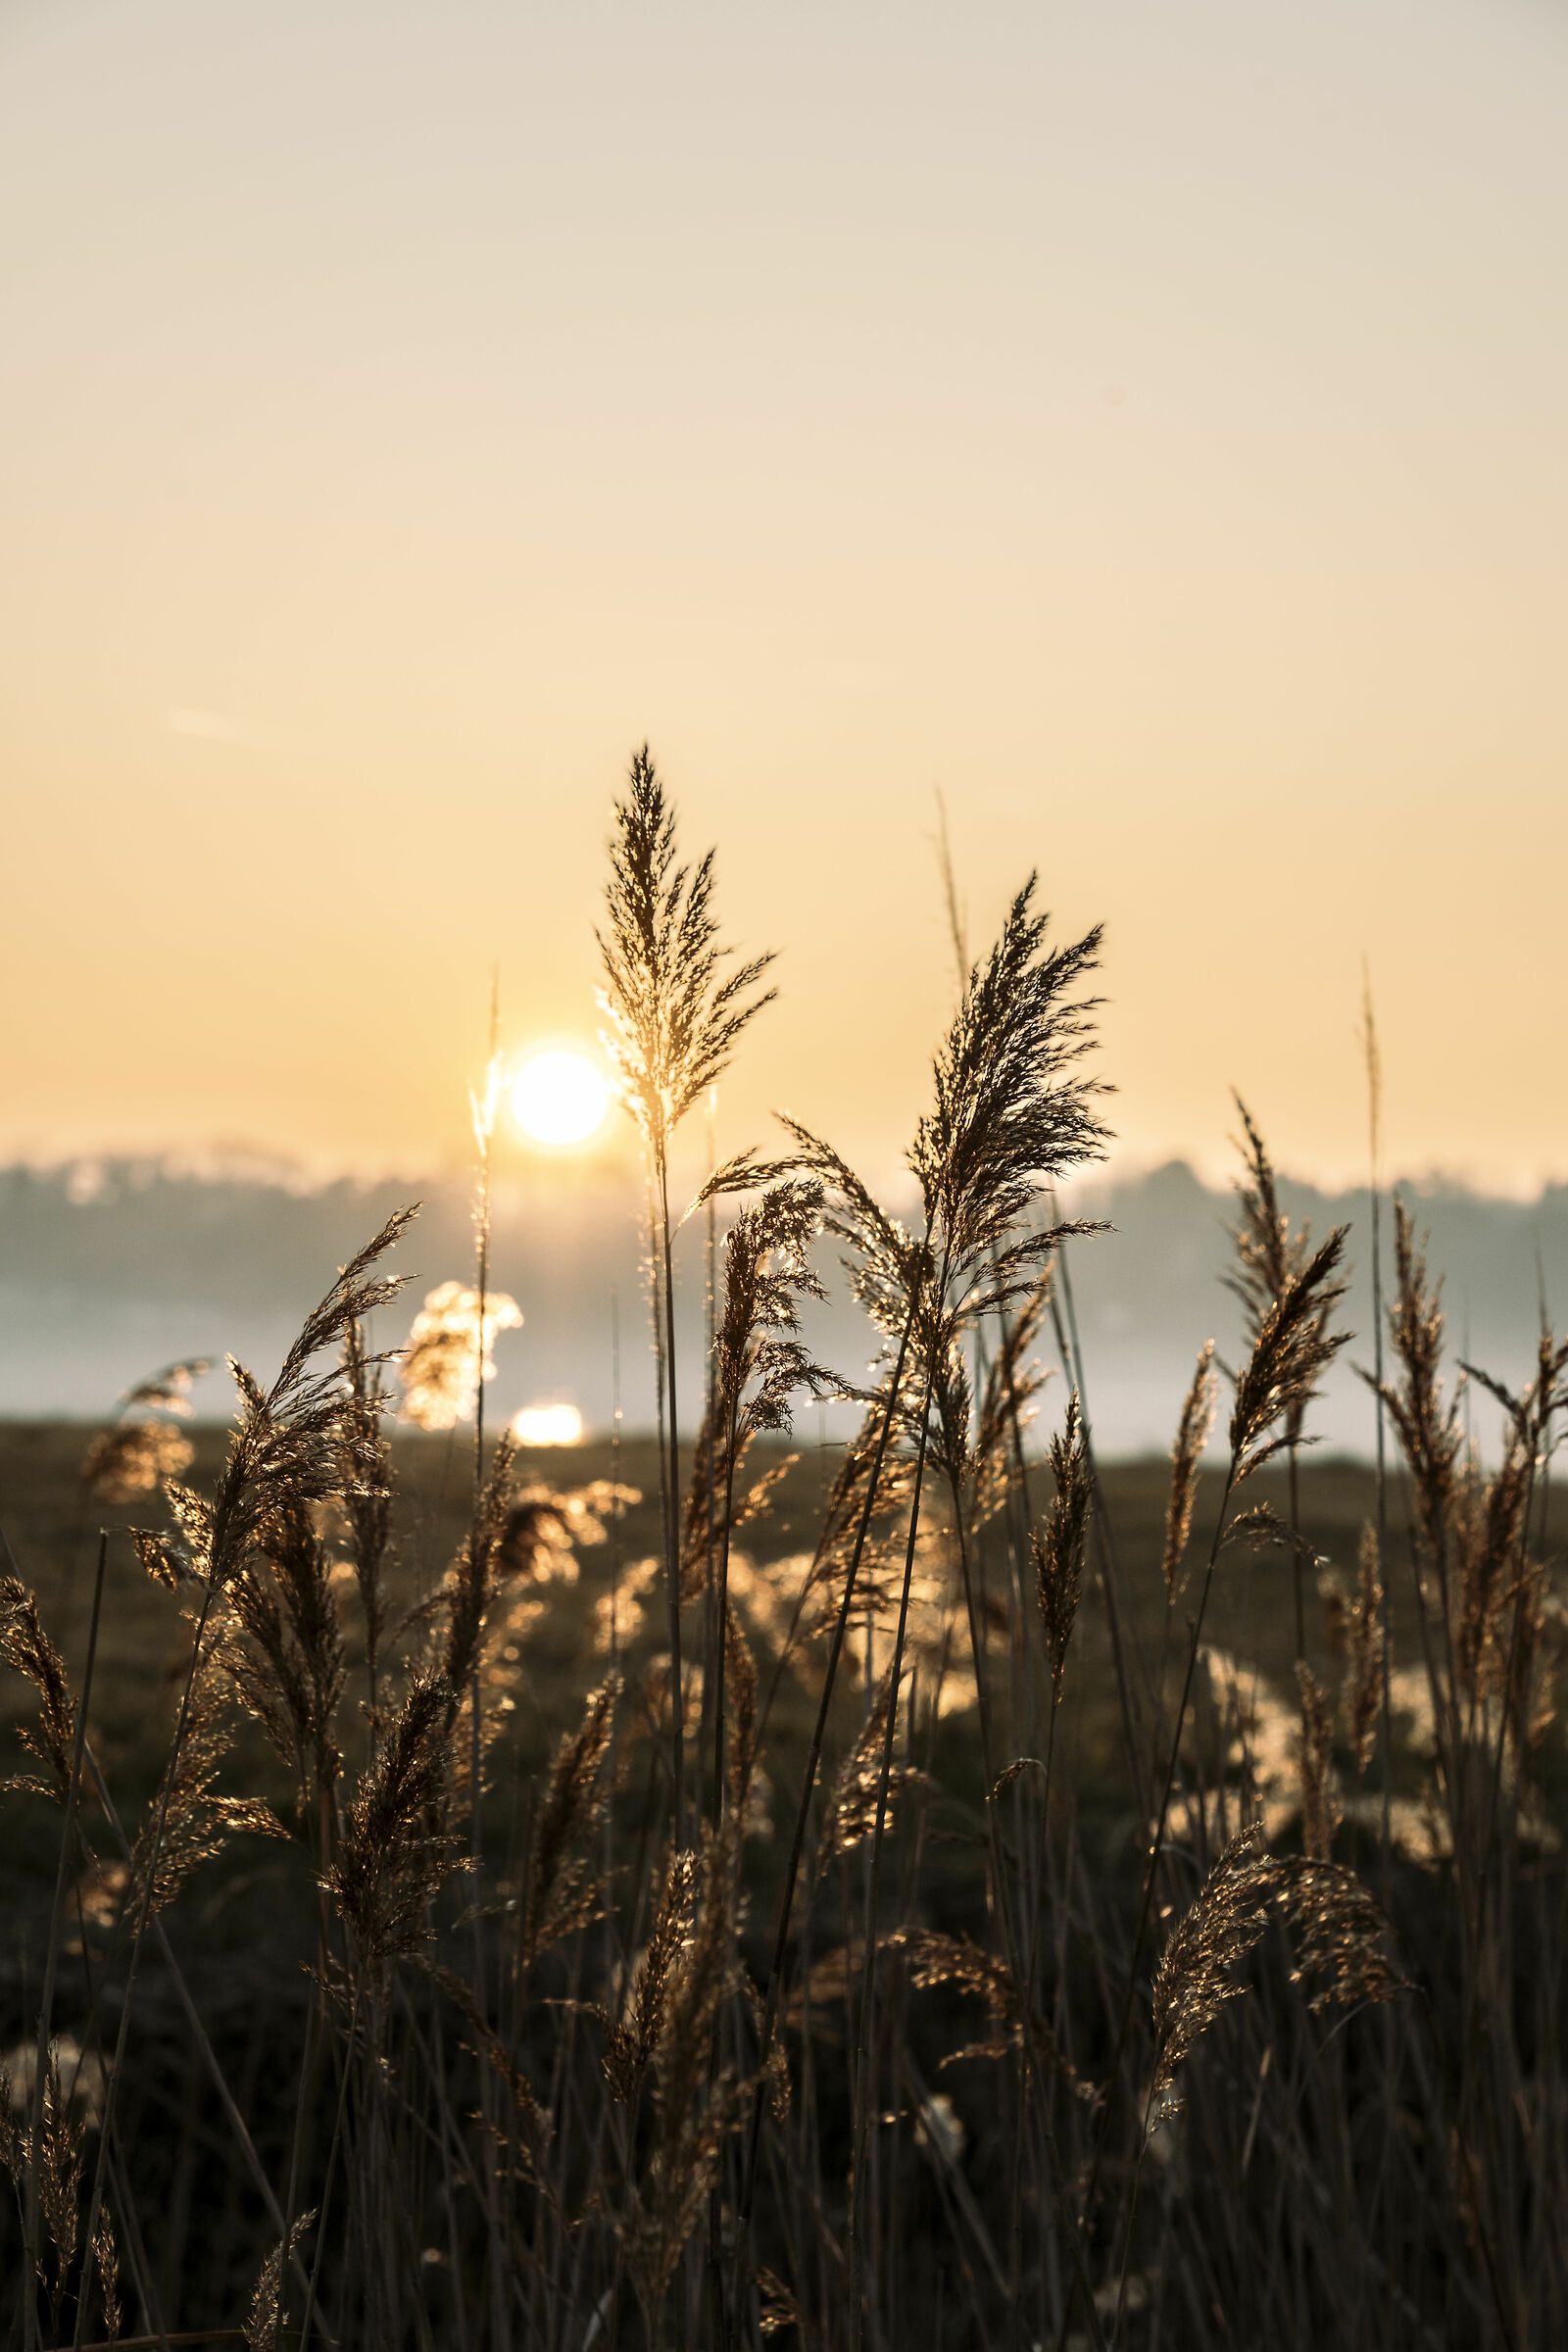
[[938, 1891]]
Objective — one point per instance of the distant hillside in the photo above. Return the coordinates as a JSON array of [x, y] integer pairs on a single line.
[[108, 1273]]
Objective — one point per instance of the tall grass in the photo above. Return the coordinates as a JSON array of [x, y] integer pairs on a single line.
[[824, 1980]]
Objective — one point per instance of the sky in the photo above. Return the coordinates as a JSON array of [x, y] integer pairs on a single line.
[[1142, 424]]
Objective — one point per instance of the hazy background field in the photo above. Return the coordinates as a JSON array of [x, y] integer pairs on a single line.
[[111, 1267]]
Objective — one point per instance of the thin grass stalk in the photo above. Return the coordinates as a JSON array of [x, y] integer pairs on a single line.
[[313, 2288], [56, 1923], [711, 1337], [1034, 2071], [192, 2015], [1151, 1872], [144, 1912], [1071, 1353], [1374, 1091], [860, 2100], [677, 1727], [803, 1810]]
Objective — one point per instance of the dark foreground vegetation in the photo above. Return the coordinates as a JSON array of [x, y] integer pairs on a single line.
[[935, 1891]]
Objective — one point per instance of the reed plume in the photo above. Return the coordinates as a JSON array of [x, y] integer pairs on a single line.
[[263, 2320], [191, 1819], [695, 2109], [449, 1352], [1426, 1420], [1194, 1978], [675, 1017], [25, 1647], [1060, 1543], [1341, 1931], [132, 1459], [1192, 1436], [1320, 1810], [560, 1894], [631, 2038]]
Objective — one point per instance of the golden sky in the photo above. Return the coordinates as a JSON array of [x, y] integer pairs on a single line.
[[1144, 422]]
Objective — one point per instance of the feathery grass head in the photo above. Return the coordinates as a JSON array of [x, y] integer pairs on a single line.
[[1009, 1114], [285, 1446], [695, 2110], [448, 1352], [1320, 1807], [130, 1460], [25, 1647], [199, 1819], [1192, 1436], [1194, 1977], [287, 1662], [1291, 1351], [1487, 1539], [397, 1850], [561, 1892], [1427, 1422], [674, 1016], [261, 2323], [759, 1361], [1270, 1258], [1014, 1378], [1341, 1931], [630, 2039], [852, 1809], [1060, 1544]]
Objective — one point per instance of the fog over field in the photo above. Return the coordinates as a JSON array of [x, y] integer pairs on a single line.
[[109, 1269]]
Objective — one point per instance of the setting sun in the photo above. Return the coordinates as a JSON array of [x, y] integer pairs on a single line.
[[558, 1097]]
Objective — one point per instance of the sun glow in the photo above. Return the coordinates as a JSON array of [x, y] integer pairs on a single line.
[[558, 1097], [548, 1424]]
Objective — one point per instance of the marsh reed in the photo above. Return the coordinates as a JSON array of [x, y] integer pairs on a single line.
[[926, 1936]]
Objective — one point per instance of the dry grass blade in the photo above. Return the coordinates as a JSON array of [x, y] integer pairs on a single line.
[[1192, 1436], [492, 2049]]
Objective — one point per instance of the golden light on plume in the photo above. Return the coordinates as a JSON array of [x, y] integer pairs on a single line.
[[558, 1097]]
